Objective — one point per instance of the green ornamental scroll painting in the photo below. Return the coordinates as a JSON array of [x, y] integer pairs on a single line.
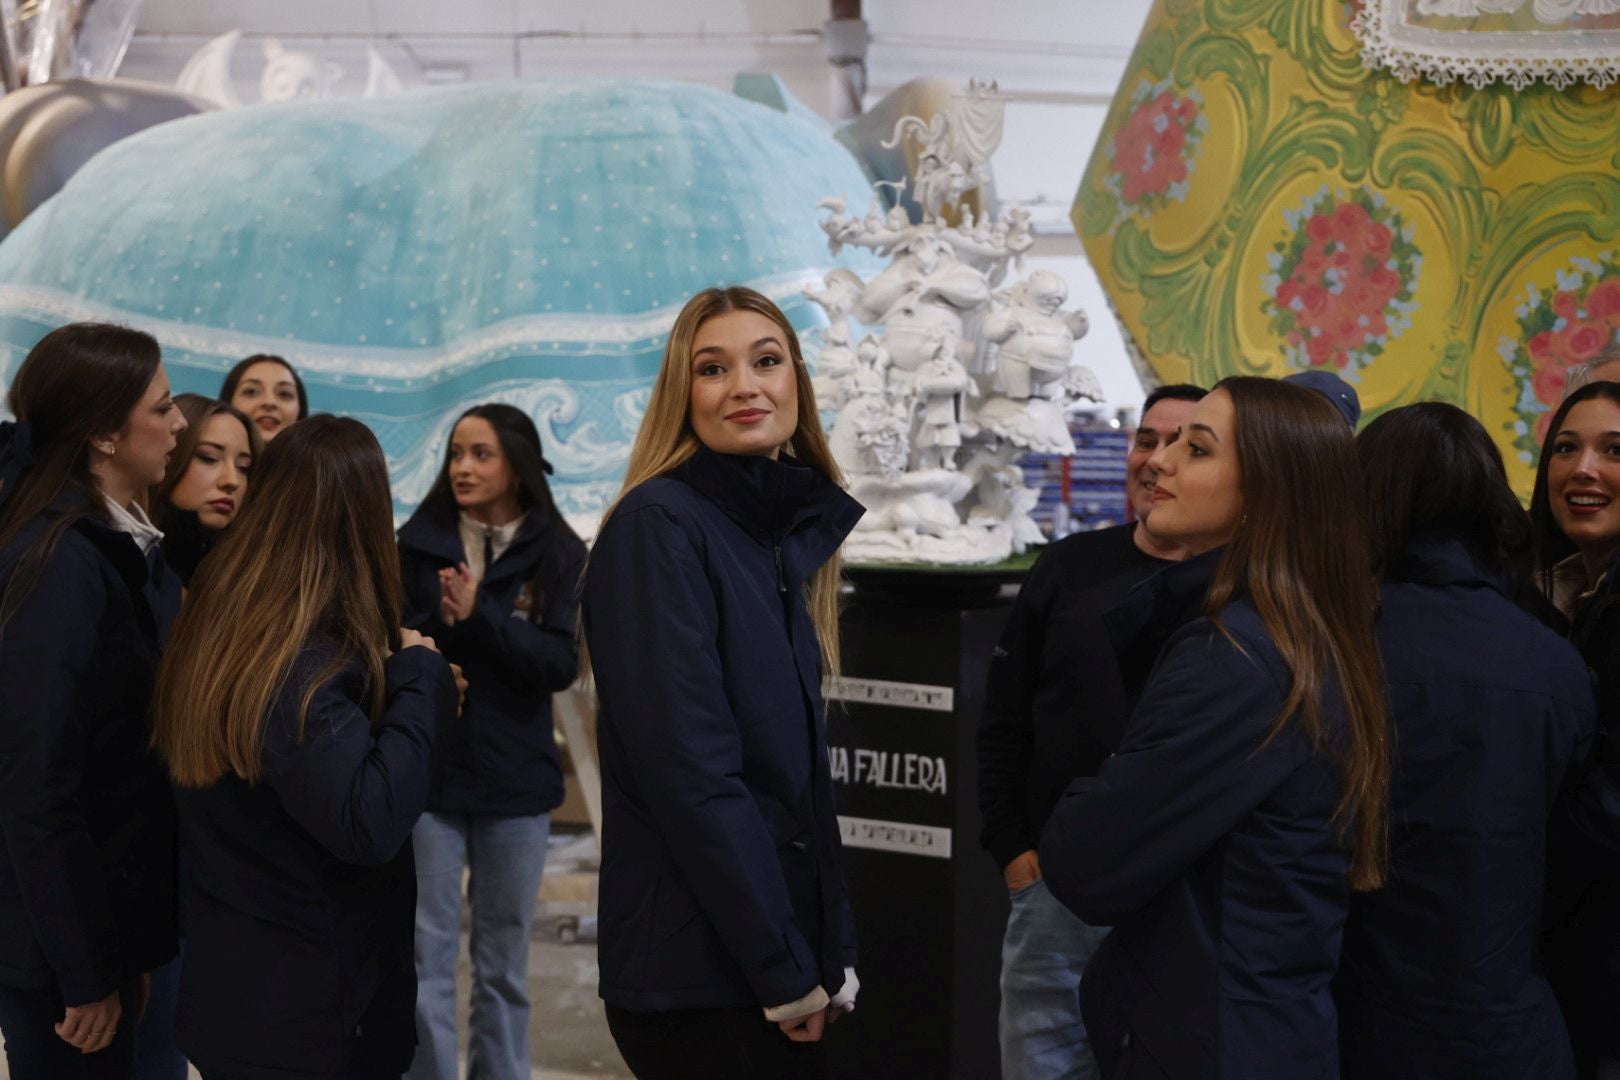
[[1261, 201]]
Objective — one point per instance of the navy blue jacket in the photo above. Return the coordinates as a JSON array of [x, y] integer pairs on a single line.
[[1439, 976], [87, 888], [301, 889], [501, 757], [1213, 857], [1581, 918], [722, 882]]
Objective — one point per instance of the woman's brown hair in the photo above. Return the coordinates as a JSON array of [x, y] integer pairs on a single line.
[[79, 381], [666, 439], [1301, 556], [198, 410], [311, 557]]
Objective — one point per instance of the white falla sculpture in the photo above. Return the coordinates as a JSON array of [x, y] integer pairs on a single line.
[[289, 74], [956, 379]]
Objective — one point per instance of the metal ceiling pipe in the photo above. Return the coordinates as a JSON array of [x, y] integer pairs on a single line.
[[845, 36]]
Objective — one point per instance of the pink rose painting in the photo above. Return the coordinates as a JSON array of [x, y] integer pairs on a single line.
[[1154, 149], [1560, 327], [1340, 284]]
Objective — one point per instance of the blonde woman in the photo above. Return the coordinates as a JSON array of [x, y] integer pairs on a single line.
[[710, 615]]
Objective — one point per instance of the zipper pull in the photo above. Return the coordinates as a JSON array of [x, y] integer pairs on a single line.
[[781, 581]]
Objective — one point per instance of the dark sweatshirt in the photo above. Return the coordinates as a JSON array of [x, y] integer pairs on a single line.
[[1055, 701]]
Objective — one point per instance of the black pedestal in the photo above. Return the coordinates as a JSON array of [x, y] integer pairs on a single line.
[[929, 905]]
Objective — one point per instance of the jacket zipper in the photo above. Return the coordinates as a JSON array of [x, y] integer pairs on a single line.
[[781, 581]]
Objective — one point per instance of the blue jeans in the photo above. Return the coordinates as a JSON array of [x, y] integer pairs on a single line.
[[1042, 957], [156, 1057], [505, 857]]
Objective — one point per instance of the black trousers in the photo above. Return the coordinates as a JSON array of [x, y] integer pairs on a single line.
[[34, 1051], [712, 1044]]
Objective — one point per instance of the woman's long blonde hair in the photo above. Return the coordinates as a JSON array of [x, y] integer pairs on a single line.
[[666, 439], [312, 555]]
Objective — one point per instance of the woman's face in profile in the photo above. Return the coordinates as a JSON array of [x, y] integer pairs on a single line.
[[140, 452], [1198, 498], [745, 399]]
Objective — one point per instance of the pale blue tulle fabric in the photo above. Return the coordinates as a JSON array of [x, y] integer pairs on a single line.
[[524, 242]]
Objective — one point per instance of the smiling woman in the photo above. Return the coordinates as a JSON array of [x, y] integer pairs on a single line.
[[1577, 532], [1198, 495], [269, 391], [744, 394], [710, 611], [1578, 477], [1251, 778]]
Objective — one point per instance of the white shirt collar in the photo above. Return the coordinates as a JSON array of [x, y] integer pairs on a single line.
[[132, 519], [472, 540]]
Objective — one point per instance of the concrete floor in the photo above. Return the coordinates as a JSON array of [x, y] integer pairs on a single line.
[[568, 1033]]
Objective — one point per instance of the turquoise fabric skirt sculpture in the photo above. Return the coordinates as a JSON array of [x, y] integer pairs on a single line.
[[412, 256]]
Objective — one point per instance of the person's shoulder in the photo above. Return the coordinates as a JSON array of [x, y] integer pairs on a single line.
[[76, 563], [1220, 674], [1087, 558], [1498, 640], [663, 512], [1230, 643], [319, 661], [317, 696], [1079, 548], [1091, 542], [424, 532], [668, 492], [658, 503]]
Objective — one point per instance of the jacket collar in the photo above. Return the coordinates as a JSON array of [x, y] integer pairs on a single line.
[[430, 534], [1441, 558], [775, 500], [136, 568], [1160, 605], [132, 519]]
